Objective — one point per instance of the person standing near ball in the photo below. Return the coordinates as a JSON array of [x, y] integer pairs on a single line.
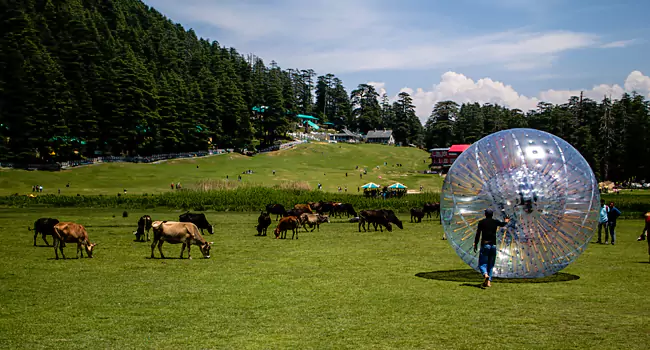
[[486, 233]]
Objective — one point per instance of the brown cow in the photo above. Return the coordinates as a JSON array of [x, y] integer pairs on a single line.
[[287, 223], [179, 232], [305, 207], [70, 232]]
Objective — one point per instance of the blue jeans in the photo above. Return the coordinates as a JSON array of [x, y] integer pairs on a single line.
[[486, 259], [611, 226], [601, 226]]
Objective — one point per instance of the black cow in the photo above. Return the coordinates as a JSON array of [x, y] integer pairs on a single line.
[[197, 219], [345, 208], [277, 209], [44, 226], [393, 218], [144, 225], [322, 207], [429, 208], [375, 217], [417, 213], [263, 222], [297, 213]]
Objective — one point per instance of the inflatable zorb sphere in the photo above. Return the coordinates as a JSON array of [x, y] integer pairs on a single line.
[[541, 183]]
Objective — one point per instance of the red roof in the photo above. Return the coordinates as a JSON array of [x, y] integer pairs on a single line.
[[458, 148]]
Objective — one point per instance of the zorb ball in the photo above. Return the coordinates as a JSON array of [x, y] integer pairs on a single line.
[[536, 179]]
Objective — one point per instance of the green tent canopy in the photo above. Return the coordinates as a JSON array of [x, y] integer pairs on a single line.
[[370, 185], [302, 116], [314, 126], [397, 185]]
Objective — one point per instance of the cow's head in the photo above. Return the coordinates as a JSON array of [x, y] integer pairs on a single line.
[[277, 232], [89, 249], [211, 229], [205, 249]]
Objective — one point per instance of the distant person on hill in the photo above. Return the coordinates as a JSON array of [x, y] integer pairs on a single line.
[[273, 171], [602, 220], [486, 234], [172, 185], [613, 214]]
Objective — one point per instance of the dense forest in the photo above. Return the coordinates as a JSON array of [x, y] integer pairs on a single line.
[[96, 77]]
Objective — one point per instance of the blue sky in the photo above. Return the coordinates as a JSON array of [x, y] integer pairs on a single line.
[[512, 52]]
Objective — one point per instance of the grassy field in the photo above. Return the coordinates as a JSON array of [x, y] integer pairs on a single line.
[[333, 289], [310, 164]]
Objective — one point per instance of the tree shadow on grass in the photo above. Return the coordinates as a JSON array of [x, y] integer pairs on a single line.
[[470, 276]]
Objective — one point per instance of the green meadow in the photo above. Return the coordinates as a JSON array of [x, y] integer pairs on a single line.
[[303, 167], [336, 288]]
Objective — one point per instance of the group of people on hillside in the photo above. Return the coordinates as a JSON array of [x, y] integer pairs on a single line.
[[607, 221]]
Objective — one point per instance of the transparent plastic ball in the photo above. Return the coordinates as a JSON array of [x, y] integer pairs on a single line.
[[537, 180]]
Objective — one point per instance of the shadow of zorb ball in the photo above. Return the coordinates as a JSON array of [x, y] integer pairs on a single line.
[[541, 183]]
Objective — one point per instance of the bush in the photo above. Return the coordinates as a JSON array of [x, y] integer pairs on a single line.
[[243, 198]]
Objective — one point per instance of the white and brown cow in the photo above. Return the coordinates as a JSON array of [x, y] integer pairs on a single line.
[[179, 232], [313, 220], [70, 232]]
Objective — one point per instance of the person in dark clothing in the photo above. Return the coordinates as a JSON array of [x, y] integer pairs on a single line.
[[612, 215], [486, 233]]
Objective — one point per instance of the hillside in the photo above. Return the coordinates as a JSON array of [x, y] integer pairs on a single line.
[[309, 164]]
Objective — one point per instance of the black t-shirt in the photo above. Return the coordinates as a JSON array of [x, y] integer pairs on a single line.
[[488, 227]]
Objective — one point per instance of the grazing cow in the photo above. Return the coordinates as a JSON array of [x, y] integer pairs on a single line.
[[44, 226], [305, 207], [313, 220], [70, 232], [374, 217], [263, 222], [377, 220], [321, 207], [392, 218], [429, 208], [277, 209], [417, 213], [287, 223], [186, 233], [296, 212], [197, 219], [144, 225], [345, 208]]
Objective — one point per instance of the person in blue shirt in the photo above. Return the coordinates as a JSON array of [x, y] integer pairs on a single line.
[[613, 214], [486, 233], [602, 220]]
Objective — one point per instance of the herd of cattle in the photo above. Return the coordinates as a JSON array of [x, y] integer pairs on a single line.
[[189, 228]]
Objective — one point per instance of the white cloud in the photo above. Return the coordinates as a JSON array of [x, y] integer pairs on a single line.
[[458, 87], [341, 36], [618, 44]]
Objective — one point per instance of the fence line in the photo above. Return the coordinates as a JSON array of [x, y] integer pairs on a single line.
[[283, 146], [139, 159]]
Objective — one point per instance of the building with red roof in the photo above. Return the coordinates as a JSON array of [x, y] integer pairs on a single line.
[[443, 158]]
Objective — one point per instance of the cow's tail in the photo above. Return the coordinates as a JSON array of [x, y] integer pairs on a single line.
[[56, 236]]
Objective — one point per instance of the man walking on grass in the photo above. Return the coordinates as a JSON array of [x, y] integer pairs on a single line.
[[612, 215], [602, 220], [487, 228]]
